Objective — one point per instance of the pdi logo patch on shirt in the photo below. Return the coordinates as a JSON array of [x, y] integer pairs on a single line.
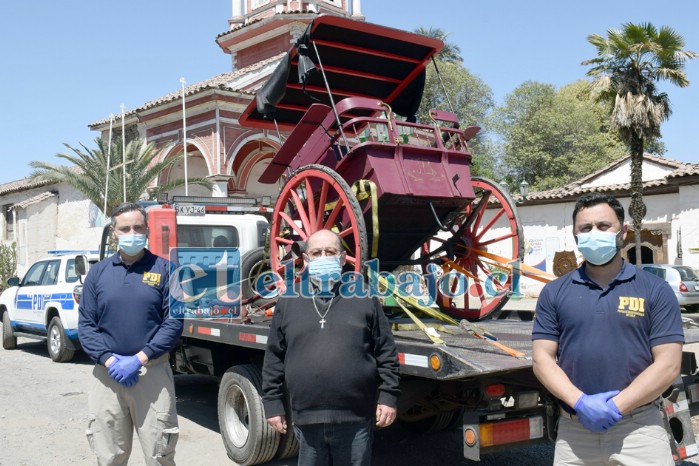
[[151, 278], [632, 307]]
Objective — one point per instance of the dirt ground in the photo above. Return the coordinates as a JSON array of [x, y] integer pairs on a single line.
[[43, 416]]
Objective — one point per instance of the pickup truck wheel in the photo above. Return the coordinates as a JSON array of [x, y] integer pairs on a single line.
[[56, 342], [246, 435], [9, 340]]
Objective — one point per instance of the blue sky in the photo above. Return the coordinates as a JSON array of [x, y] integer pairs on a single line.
[[69, 63]]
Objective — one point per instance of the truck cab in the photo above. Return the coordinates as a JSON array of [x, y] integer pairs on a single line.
[[201, 222]]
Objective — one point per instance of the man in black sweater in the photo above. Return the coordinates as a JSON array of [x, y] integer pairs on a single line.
[[338, 360]]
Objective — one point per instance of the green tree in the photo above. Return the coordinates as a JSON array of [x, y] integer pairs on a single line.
[[451, 53], [468, 97], [628, 65], [88, 172], [551, 137], [8, 263]]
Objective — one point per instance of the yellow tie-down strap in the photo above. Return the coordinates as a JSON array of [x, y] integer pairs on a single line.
[[430, 331], [359, 188]]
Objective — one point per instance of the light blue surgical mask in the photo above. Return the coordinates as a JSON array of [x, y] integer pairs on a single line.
[[598, 247], [132, 244], [325, 271]]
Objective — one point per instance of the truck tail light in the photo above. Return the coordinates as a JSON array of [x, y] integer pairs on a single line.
[[683, 288], [495, 390], [511, 431]]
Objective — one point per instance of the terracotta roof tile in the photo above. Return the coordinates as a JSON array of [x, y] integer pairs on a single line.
[[21, 185], [220, 81], [576, 188], [33, 200]]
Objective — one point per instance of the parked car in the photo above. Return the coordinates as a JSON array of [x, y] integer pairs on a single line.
[[43, 305], [683, 280]]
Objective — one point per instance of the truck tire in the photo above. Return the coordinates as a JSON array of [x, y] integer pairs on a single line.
[[252, 265], [246, 435], [56, 342], [9, 340], [432, 424], [288, 443]]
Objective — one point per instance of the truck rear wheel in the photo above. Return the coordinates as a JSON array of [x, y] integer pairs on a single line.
[[436, 423], [56, 342], [9, 340], [252, 266], [246, 435]]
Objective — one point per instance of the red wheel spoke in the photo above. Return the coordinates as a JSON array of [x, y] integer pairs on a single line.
[[293, 225], [490, 224], [322, 199], [301, 210], [286, 241], [351, 259], [310, 201], [495, 240], [335, 212]]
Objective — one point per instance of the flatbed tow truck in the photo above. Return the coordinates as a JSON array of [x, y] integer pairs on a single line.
[[390, 187]]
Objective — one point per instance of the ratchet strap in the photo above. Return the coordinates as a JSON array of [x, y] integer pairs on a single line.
[[431, 333], [359, 188]]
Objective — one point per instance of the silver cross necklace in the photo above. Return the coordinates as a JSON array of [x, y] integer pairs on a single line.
[[322, 316]]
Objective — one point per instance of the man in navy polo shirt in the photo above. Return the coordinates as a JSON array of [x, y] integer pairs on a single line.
[[125, 328], [607, 342]]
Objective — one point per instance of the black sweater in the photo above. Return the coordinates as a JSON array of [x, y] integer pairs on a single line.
[[333, 374]]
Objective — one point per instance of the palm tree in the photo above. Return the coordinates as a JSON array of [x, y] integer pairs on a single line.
[[628, 65], [88, 170], [450, 53]]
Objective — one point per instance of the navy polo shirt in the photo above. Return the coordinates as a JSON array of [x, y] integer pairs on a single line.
[[605, 336], [125, 309]]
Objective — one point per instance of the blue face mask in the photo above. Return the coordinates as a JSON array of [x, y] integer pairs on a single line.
[[132, 244], [325, 271], [597, 247]]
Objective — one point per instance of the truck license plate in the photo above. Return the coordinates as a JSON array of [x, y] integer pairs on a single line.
[[190, 209]]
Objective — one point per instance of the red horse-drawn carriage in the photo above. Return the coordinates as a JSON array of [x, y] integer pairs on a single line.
[[357, 162]]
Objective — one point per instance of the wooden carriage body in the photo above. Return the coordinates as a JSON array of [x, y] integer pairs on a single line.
[[357, 162]]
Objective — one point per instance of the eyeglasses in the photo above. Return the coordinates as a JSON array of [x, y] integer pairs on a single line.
[[318, 252]]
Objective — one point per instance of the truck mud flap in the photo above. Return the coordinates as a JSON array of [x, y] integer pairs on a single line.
[[678, 421]]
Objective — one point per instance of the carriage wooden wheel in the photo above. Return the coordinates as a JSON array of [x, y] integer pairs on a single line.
[[488, 224], [315, 197]]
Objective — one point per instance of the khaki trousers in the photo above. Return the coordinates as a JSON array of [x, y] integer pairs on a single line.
[[639, 438], [149, 406]]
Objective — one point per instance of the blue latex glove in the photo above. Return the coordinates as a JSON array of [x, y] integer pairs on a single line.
[[594, 413], [127, 382], [130, 381], [124, 368]]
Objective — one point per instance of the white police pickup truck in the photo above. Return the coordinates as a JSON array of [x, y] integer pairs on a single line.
[[43, 304]]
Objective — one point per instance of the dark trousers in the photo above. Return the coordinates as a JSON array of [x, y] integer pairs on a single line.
[[335, 444]]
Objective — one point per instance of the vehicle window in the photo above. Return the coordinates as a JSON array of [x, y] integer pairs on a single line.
[[262, 228], [203, 236], [687, 274], [660, 272], [71, 275], [33, 276], [50, 276]]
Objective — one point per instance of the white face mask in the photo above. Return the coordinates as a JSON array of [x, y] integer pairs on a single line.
[[132, 244], [598, 247], [325, 271]]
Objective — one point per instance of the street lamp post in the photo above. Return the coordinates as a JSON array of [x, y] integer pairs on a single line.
[[524, 189]]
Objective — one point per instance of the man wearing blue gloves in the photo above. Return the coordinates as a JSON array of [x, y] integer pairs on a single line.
[[607, 343], [125, 327]]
